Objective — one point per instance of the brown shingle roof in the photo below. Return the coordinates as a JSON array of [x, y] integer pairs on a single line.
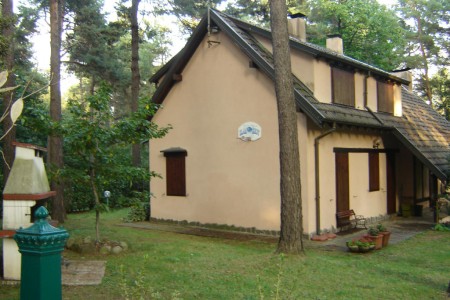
[[421, 129], [424, 131]]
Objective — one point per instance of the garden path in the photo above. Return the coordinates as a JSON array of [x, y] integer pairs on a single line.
[[401, 229]]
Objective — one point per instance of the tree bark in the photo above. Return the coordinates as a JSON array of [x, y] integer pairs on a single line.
[[290, 189], [135, 74], [426, 76], [55, 140], [8, 97]]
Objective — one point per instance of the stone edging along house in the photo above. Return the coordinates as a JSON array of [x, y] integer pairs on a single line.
[[366, 142]]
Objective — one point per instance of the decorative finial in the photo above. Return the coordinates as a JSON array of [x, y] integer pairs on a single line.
[[41, 214]]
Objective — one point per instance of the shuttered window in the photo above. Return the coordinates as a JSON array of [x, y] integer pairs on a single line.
[[374, 171], [343, 83], [385, 97], [175, 171]]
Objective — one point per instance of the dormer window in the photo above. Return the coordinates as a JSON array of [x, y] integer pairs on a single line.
[[385, 97], [343, 83]]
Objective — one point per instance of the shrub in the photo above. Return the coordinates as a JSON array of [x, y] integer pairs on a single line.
[[137, 213], [373, 231]]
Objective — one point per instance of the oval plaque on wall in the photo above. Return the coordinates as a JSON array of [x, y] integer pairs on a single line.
[[249, 131]]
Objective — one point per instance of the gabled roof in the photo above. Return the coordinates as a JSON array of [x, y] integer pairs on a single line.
[[427, 138], [424, 132]]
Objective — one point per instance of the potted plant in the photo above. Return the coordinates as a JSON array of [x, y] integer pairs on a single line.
[[376, 237], [386, 234], [363, 246], [353, 246], [368, 241]]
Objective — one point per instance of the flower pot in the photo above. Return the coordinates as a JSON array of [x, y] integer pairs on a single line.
[[378, 240], [364, 249], [352, 247], [386, 237]]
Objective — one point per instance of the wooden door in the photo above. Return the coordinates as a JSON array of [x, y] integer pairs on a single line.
[[342, 182]]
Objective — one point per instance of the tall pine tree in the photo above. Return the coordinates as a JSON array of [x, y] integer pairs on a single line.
[[290, 188], [428, 38], [8, 26], [55, 140]]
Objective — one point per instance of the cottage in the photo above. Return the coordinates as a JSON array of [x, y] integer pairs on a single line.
[[366, 141]]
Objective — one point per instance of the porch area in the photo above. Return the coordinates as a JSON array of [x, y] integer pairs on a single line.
[[401, 228]]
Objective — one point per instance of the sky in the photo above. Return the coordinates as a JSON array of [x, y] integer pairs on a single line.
[[41, 41]]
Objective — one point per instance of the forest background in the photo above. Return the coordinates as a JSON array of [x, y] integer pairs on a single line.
[[103, 122]]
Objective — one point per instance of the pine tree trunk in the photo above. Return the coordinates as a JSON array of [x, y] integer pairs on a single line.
[[291, 206], [426, 76], [135, 74], [8, 97], [55, 141]]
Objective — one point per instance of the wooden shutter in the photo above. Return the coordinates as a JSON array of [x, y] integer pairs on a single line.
[[342, 181], [385, 97], [374, 171], [343, 84], [175, 171]]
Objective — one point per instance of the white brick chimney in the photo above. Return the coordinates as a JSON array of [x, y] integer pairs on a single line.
[[335, 43], [297, 26], [405, 74]]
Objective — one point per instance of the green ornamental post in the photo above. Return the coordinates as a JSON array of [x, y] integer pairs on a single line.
[[41, 245]]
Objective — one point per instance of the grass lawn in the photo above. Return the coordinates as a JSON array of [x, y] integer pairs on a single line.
[[163, 265]]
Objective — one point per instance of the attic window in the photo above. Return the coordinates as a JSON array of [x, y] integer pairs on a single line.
[[175, 171], [385, 95], [343, 86]]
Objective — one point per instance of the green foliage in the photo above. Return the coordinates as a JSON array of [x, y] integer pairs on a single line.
[[187, 12], [381, 227], [254, 12], [101, 207], [440, 84], [5, 22], [97, 147], [139, 207], [371, 32], [137, 212], [427, 24], [99, 50], [92, 137], [257, 12], [373, 231], [34, 124], [92, 43], [31, 126], [442, 227], [77, 194]]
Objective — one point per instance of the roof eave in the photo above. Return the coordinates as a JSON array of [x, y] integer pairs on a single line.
[[417, 153], [163, 70], [316, 53], [179, 62]]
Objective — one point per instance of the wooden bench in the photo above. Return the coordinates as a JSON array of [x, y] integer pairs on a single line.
[[348, 218]]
